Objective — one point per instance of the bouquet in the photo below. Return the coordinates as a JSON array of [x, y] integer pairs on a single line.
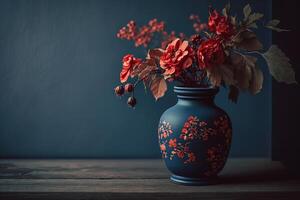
[[222, 52]]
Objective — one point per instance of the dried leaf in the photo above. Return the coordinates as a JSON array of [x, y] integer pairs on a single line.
[[146, 72], [138, 69], [226, 9], [220, 73], [276, 29], [279, 65], [233, 20], [247, 40], [247, 11], [155, 53], [158, 86], [233, 93], [273, 22], [242, 70], [256, 82], [254, 17], [144, 69], [253, 25], [246, 73]]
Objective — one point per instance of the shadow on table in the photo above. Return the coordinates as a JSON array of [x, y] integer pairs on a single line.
[[258, 175]]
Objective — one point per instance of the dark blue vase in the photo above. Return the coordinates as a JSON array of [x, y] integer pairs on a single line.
[[195, 136]]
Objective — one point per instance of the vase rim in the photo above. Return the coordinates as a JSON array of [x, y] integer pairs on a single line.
[[188, 88], [196, 92]]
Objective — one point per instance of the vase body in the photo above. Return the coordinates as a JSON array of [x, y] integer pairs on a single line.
[[195, 136]]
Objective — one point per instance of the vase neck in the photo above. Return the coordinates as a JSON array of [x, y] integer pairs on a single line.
[[188, 95]]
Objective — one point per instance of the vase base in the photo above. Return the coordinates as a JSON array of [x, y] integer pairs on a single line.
[[193, 181]]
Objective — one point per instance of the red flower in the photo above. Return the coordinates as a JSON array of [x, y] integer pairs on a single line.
[[163, 147], [176, 57], [221, 25], [184, 131], [210, 53], [180, 154], [129, 63], [165, 135], [191, 119], [213, 20], [192, 157], [172, 143]]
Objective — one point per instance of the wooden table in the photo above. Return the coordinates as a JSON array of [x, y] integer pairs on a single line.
[[139, 179]]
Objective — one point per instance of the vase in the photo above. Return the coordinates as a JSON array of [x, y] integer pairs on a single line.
[[195, 136]]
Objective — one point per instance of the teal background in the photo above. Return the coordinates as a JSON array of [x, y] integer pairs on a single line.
[[59, 62]]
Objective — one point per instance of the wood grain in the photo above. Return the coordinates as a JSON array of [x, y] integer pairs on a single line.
[[130, 179]]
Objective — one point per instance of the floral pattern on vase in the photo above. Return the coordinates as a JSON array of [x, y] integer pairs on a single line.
[[194, 130]]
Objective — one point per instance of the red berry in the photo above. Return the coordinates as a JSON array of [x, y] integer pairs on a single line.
[[119, 90], [129, 87], [131, 101]]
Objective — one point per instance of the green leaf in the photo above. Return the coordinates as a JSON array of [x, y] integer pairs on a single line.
[[247, 12], [279, 65]]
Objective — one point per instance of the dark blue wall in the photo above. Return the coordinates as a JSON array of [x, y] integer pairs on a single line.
[[59, 61]]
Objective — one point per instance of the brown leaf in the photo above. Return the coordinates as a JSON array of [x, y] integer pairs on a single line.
[[272, 24], [254, 17], [242, 71], [155, 53], [246, 73], [256, 81], [144, 69], [233, 93], [247, 12], [146, 72], [253, 25], [226, 10], [279, 65], [233, 20], [220, 73], [138, 69], [158, 87], [247, 40]]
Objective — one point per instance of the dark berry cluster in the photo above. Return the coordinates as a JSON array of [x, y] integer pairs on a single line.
[[120, 90]]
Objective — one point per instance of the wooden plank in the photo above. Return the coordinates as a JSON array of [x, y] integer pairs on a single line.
[[139, 179], [82, 169], [126, 169], [151, 196], [139, 186]]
